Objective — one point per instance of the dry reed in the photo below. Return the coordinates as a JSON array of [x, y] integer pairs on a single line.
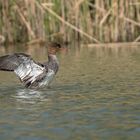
[[94, 21]]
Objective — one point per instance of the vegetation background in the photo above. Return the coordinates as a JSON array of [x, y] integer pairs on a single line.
[[92, 21]]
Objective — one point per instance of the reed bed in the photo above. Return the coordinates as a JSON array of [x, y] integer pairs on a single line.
[[94, 21]]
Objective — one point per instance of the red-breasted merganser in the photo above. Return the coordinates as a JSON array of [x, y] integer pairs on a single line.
[[32, 74]]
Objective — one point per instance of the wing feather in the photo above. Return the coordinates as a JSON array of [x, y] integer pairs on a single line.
[[29, 72], [11, 62]]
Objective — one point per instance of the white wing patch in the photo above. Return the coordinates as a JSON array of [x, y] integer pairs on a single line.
[[29, 69], [48, 78]]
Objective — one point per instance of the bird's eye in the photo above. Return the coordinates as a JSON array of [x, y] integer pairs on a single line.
[[58, 46]]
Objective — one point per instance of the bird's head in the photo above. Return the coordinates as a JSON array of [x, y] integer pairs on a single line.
[[53, 47]]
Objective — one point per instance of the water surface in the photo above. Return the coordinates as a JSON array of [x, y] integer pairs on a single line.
[[95, 96]]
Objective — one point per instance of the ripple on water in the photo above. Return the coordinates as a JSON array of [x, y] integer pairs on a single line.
[[95, 101]]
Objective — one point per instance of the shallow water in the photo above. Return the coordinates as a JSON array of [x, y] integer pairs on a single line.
[[95, 96]]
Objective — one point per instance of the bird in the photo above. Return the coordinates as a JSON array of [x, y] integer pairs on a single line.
[[31, 73]]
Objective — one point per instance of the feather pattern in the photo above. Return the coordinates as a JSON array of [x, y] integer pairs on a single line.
[[11, 62], [30, 73]]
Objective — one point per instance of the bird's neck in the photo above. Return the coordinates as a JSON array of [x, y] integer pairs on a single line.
[[53, 62], [52, 58]]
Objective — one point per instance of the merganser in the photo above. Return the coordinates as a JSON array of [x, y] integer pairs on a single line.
[[32, 74]]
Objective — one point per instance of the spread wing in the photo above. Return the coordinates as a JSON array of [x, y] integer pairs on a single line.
[[11, 62], [30, 72], [24, 67]]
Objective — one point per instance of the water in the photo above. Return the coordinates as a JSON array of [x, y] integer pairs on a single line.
[[95, 96]]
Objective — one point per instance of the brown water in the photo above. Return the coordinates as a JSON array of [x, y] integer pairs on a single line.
[[95, 96]]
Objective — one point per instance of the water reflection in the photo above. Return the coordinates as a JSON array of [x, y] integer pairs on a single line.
[[28, 96]]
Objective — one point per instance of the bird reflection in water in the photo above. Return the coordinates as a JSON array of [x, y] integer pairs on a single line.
[[30, 96]]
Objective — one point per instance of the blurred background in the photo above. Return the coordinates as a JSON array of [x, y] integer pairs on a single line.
[[90, 21], [96, 93]]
